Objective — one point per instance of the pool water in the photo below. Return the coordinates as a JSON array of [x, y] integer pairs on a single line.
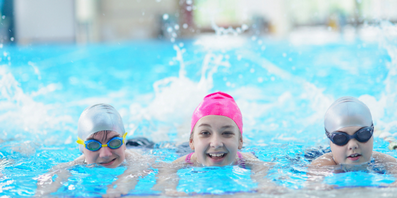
[[282, 89]]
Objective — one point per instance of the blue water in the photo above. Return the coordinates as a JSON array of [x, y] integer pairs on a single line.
[[283, 91]]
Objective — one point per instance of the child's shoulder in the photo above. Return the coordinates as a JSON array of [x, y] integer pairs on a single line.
[[383, 158], [249, 156], [189, 159], [324, 160]]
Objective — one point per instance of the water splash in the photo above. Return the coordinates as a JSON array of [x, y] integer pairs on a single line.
[[176, 97], [21, 116]]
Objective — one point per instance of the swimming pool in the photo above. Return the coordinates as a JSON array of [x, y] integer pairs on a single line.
[[282, 89]]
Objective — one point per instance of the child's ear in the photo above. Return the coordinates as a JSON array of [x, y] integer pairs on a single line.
[[191, 143], [240, 142]]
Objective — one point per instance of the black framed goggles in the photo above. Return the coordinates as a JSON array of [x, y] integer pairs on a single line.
[[341, 138]]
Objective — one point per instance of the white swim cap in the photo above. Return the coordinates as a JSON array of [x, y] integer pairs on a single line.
[[345, 112], [99, 117]]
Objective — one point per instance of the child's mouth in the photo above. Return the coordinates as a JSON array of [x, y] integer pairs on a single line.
[[108, 163], [354, 156], [216, 156]]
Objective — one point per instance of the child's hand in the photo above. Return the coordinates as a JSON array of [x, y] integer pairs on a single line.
[[174, 193], [319, 186], [114, 194], [271, 189]]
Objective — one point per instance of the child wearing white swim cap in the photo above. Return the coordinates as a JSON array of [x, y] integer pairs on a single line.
[[101, 136], [349, 127]]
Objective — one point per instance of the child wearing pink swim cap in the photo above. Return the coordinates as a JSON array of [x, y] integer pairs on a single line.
[[216, 138]]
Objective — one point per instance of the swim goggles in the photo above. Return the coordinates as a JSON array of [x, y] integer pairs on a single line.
[[94, 145], [342, 138]]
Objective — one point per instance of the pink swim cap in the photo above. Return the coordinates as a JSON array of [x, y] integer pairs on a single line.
[[218, 103]]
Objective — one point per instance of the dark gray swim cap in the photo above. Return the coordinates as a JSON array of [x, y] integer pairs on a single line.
[[345, 112], [99, 117]]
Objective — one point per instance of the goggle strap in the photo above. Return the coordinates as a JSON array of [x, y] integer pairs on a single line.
[[125, 135], [80, 141]]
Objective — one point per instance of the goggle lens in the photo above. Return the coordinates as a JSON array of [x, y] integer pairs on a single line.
[[115, 143], [340, 139], [364, 134], [93, 146]]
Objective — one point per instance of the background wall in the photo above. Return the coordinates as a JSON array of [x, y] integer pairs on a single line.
[[83, 21]]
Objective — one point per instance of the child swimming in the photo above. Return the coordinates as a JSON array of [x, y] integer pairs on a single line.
[[101, 136], [216, 138], [349, 127]]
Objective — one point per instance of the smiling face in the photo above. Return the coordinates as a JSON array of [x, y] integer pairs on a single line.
[[216, 140], [354, 152], [107, 157]]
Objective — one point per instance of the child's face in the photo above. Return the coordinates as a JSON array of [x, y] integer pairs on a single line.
[[344, 154], [216, 140], [107, 157]]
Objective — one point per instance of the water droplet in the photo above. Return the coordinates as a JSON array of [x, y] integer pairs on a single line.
[[169, 29], [189, 8], [181, 44], [185, 26], [260, 79], [252, 70], [165, 16], [240, 76], [3, 17], [284, 55], [189, 2], [176, 27], [253, 38], [244, 27], [12, 39], [272, 78]]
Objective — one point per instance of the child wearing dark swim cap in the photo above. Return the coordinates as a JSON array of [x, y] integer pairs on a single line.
[[349, 127], [101, 136], [216, 138]]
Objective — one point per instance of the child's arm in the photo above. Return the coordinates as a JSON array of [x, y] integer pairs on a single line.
[[167, 177], [138, 166], [259, 170], [45, 185], [389, 162], [317, 170]]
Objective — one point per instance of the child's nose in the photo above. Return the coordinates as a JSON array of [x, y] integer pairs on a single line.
[[352, 144], [216, 141], [105, 152]]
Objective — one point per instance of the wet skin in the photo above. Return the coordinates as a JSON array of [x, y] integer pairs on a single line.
[[216, 140], [107, 157], [354, 152]]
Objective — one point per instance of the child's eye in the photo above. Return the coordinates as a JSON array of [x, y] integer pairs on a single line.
[[228, 133], [204, 133]]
